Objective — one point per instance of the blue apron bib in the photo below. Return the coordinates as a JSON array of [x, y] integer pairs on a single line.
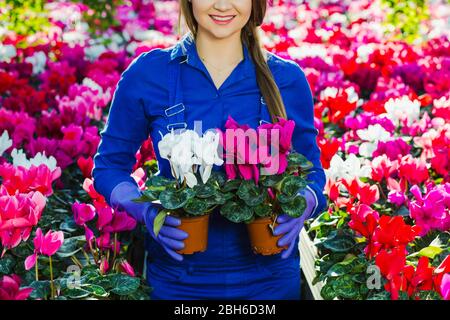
[[228, 269]]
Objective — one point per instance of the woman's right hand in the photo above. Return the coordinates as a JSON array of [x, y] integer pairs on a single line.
[[169, 237]]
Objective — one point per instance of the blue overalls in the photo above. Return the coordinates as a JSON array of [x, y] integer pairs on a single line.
[[228, 269]]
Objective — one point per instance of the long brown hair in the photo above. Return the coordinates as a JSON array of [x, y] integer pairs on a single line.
[[249, 36]]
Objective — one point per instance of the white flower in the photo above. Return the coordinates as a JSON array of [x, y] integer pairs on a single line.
[[399, 109], [207, 150], [371, 135], [20, 159], [7, 52], [88, 82], [188, 153], [38, 60], [364, 51], [348, 169], [5, 142]]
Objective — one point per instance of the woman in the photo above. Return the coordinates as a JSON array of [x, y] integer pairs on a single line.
[[216, 70]]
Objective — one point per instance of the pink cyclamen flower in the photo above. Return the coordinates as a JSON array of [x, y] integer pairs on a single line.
[[127, 268], [36, 178], [445, 286], [10, 288], [46, 244], [430, 211], [82, 213], [110, 220], [279, 150], [18, 214]]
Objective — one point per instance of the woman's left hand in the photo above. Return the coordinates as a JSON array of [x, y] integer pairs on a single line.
[[291, 227]]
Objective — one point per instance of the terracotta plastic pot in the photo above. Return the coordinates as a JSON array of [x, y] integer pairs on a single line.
[[197, 228], [261, 238]]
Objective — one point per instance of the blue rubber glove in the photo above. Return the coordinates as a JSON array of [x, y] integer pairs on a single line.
[[291, 227], [169, 237]]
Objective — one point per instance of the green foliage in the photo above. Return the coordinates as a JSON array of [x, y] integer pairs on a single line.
[[24, 17], [101, 15], [406, 17]]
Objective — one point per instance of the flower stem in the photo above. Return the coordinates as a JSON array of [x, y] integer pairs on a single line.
[[88, 259], [36, 270], [115, 246], [381, 191], [52, 287]]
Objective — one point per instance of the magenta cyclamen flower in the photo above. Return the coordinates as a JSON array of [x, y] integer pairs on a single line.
[[431, 211], [83, 213], [10, 289], [285, 129], [46, 244]]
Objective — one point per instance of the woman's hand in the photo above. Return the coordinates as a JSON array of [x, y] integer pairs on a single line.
[[291, 227], [169, 237]]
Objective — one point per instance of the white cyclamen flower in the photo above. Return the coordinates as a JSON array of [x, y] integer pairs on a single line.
[[188, 152], [371, 135], [348, 169], [5, 142], [38, 60], [207, 151], [399, 109], [7, 52], [20, 159]]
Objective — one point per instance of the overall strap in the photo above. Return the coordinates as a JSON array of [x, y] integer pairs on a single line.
[[264, 114], [175, 112]]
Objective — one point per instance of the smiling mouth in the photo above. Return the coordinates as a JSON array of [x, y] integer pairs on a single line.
[[222, 19]]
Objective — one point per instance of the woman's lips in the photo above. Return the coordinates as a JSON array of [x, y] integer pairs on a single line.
[[222, 19]]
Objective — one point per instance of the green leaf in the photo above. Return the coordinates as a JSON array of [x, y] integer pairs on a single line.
[[429, 295], [175, 199], [263, 210], [219, 177], [70, 246], [76, 293], [7, 264], [430, 252], [204, 190], [339, 242], [384, 295], [271, 180], [159, 181], [96, 290], [159, 221], [236, 211], [291, 185], [251, 194], [298, 160], [196, 207], [148, 196], [345, 287], [231, 185], [41, 289], [123, 284], [294, 208], [338, 269], [327, 292], [69, 225]]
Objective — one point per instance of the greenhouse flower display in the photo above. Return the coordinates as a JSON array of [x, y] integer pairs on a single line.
[[379, 74]]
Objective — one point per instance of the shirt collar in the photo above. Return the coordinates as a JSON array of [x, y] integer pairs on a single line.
[[185, 48]]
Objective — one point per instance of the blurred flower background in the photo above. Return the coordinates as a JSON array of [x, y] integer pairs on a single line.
[[380, 76]]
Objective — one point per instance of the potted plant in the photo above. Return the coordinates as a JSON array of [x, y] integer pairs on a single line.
[[195, 190], [262, 190]]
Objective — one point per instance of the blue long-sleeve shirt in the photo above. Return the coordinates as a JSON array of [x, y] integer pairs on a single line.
[[141, 98]]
